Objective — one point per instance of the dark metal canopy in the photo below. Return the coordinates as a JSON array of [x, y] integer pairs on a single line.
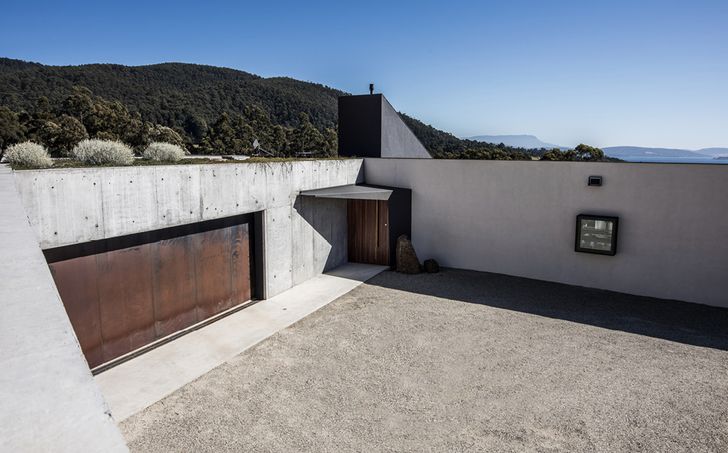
[[350, 192]]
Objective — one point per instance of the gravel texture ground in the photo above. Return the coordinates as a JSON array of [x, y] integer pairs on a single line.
[[463, 361]]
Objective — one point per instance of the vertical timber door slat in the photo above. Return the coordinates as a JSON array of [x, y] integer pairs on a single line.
[[121, 300], [368, 225], [382, 232]]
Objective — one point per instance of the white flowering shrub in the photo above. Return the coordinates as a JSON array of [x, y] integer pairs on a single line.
[[164, 152], [28, 154], [103, 152]]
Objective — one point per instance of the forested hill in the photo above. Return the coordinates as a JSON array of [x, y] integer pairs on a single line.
[[210, 109], [170, 93]]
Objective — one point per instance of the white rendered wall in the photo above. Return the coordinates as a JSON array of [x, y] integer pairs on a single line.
[[518, 218], [68, 206]]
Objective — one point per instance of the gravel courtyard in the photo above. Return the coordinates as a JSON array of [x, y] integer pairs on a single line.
[[463, 361]]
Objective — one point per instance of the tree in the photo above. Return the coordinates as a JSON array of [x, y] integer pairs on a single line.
[[196, 128], [11, 129], [221, 137], [331, 142], [42, 111], [278, 140], [61, 135], [164, 134], [556, 154], [79, 103], [588, 153], [581, 153], [110, 117], [244, 135], [306, 137]]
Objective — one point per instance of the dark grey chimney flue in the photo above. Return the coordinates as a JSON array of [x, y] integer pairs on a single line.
[[371, 88]]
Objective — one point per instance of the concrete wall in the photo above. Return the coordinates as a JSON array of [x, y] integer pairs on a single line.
[[319, 231], [518, 218], [397, 138], [68, 206], [48, 398]]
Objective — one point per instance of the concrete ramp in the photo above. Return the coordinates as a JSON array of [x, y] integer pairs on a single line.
[[144, 380], [50, 401]]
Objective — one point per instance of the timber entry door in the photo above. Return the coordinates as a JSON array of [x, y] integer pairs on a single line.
[[122, 298], [368, 225]]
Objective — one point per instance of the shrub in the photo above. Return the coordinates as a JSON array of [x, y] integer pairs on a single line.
[[165, 152], [103, 152], [28, 154]]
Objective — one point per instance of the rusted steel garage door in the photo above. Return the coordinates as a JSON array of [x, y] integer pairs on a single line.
[[122, 299], [368, 225]]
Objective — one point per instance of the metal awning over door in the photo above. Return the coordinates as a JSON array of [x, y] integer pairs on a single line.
[[350, 192]]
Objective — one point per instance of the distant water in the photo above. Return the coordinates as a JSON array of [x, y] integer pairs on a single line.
[[675, 160]]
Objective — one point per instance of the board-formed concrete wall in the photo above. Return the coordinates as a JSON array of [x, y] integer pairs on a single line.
[[518, 218], [301, 237]]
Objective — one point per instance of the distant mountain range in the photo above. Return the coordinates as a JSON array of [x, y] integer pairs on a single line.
[[714, 152], [620, 152], [518, 141], [638, 151]]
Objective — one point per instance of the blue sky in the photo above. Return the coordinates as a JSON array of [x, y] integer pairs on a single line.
[[646, 73]]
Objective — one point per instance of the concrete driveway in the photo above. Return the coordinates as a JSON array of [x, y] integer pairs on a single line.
[[463, 361]]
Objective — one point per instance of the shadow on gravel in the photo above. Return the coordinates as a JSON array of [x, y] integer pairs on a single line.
[[694, 324]]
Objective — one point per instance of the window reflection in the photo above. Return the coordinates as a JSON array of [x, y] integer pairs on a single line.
[[596, 234]]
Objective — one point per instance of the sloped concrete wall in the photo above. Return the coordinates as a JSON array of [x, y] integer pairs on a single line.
[[397, 138], [68, 206], [519, 218], [48, 398]]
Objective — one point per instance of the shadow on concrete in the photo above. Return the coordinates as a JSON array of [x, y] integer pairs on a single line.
[[357, 272], [327, 217], [694, 324]]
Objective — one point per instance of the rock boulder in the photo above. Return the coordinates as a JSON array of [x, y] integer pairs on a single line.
[[432, 266], [406, 257]]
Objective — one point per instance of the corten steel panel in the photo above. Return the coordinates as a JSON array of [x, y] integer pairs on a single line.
[[122, 299], [76, 283], [241, 282], [368, 231], [126, 299], [213, 270], [174, 285]]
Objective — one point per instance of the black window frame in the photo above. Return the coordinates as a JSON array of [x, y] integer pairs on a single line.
[[615, 236]]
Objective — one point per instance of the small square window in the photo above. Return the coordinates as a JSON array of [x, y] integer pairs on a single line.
[[596, 234]]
